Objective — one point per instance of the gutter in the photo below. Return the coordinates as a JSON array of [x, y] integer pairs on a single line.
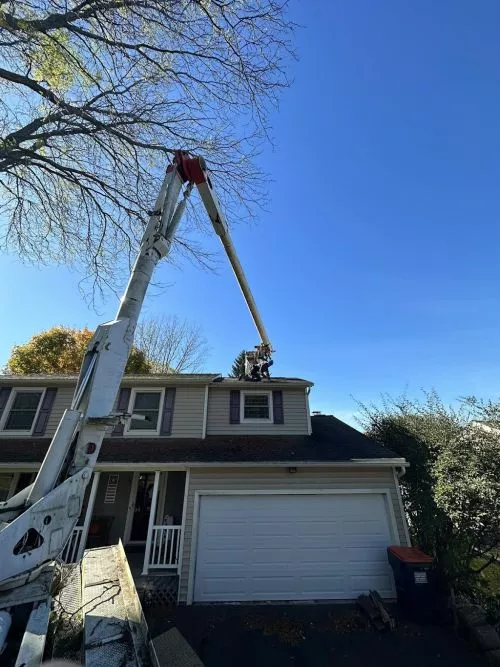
[[184, 465]]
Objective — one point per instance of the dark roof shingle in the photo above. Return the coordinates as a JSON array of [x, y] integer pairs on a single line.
[[331, 440]]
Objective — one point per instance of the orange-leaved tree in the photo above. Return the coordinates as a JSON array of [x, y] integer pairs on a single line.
[[60, 350]]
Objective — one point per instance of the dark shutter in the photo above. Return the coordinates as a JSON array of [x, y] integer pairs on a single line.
[[4, 397], [44, 413], [234, 406], [123, 401], [168, 412], [278, 407]]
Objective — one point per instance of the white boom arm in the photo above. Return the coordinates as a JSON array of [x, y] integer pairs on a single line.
[[203, 183], [43, 516]]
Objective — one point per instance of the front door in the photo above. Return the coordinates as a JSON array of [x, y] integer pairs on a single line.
[[142, 507]]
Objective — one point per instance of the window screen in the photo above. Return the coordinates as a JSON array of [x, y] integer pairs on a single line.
[[23, 410], [256, 406], [146, 403]]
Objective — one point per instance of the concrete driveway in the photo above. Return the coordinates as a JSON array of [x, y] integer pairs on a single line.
[[307, 635]]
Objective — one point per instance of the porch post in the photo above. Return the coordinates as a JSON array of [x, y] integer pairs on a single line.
[[183, 524], [152, 515], [13, 485], [88, 515], [161, 498]]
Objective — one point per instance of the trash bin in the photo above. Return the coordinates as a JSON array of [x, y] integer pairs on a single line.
[[415, 582]]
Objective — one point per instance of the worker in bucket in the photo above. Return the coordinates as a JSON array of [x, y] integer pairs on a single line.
[[264, 368]]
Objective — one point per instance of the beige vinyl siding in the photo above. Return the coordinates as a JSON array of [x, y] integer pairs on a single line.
[[188, 412], [187, 419], [62, 402], [237, 479], [294, 410]]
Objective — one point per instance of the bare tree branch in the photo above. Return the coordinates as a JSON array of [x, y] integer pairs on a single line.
[[94, 97], [171, 345]]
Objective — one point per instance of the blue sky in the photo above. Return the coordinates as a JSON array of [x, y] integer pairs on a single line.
[[376, 264]]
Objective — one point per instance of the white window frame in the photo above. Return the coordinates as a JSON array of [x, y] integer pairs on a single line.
[[148, 431], [8, 407], [256, 420]]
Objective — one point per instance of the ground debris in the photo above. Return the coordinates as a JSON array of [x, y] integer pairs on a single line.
[[293, 631], [287, 630], [344, 623]]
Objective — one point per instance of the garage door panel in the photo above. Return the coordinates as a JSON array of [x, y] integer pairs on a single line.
[[291, 547], [365, 555], [314, 587], [362, 530], [274, 585], [283, 528], [228, 557], [270, 555], [326, 530], [218, 541], [233, 588], [320, 555]]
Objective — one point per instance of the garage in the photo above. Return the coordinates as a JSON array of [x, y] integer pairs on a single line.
[[301, 546]]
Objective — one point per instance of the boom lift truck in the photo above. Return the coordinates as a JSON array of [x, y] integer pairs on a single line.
[[37, 522]]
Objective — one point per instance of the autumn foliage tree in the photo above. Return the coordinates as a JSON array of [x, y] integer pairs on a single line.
[[61, 350]]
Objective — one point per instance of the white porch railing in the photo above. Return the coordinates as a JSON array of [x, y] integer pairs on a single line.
[[165, 545], [72, 548]]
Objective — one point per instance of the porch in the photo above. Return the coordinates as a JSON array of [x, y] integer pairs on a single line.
[[145, 510]]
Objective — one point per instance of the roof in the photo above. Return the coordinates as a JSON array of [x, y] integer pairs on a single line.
[[274, 378], [71, 378], [331, 440], [217, 379]]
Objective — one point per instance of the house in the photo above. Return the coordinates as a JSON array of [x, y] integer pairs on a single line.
[[230, 486]]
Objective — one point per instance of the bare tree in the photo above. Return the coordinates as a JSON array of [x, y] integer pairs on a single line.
[[96, 94], [171, 345]]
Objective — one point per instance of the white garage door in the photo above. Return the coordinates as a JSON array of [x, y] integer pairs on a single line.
[[292, 547]]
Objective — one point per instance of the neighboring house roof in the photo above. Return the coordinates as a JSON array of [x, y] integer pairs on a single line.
[[331, 440], [153, 378]]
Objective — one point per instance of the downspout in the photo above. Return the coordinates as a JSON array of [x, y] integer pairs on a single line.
[[205, 414], [398, 472], [308, 411]]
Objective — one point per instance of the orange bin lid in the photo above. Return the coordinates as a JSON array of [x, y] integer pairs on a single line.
[[410, 555]]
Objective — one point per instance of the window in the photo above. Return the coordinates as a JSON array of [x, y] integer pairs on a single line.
[[23, 408], [145, 403], [256, 406]]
